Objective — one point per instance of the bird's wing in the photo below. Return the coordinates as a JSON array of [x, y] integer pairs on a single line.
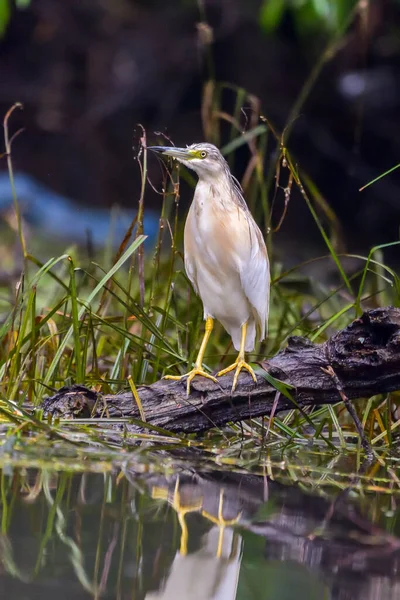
[[190, 253], [255, 278], [190, 268]]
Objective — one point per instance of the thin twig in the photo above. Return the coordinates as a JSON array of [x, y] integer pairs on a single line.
[[8, 141], [364, 441]]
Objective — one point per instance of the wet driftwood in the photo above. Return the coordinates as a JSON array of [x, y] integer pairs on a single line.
[[361, 360]]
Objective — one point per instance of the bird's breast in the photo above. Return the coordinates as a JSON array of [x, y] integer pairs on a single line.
[[212, 235], [217, 241]]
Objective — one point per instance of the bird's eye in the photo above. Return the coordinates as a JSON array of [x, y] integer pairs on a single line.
[[203, 154]]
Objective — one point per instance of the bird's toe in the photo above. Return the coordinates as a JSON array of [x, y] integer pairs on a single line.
[[190, 376]]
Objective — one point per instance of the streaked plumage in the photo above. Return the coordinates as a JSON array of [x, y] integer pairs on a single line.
[[225, 254]]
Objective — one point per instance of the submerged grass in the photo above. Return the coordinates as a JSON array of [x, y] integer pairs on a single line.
[[114, 324]]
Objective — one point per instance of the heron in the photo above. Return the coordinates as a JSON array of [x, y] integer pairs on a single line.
[[226, 258]]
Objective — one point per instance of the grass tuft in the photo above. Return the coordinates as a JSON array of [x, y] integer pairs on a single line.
[[119, 325]]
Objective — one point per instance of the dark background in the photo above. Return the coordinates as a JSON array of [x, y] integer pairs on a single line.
[[87, 71]]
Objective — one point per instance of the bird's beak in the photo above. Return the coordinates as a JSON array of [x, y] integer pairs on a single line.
[[182, 153]]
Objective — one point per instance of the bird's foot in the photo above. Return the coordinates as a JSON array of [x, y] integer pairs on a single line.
[[221, 523], [181, 510], [195, 371], [238, 365]]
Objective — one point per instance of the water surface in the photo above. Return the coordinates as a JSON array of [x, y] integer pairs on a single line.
[[168, 527]]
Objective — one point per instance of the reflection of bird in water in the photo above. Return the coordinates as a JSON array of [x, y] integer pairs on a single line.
[[182, 509], [199, 576], [194, 504], [211, 572], [225, 257]]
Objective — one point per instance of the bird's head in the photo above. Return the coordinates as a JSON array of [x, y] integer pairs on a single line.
[[203, 158]]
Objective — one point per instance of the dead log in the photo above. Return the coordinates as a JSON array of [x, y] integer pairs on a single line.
[[365, 358]]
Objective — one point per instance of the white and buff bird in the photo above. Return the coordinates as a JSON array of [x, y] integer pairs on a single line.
[[226, 258]]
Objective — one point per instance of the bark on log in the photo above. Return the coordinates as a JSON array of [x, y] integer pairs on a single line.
[[365, 357]]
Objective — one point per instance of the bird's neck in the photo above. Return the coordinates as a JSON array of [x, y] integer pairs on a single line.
[[212, 189]]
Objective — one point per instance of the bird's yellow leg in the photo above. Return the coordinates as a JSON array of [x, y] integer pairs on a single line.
[[198, 365], [220, 522], [180, 509], [240, 362]]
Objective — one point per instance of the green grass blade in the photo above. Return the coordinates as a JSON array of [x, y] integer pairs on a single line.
[[54, 364], [79, 368], [379, 177]]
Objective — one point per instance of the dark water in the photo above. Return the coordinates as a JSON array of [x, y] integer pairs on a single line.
[[194, 534]]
